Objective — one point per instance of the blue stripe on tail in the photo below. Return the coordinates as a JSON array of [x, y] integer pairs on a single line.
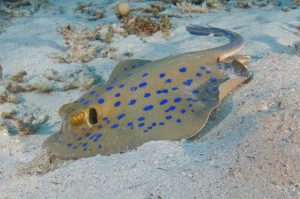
[[205, 31]]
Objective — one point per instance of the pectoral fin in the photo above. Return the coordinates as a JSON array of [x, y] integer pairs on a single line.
[[125, 67]]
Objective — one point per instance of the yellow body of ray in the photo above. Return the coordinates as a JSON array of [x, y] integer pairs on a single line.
[[100, 121]]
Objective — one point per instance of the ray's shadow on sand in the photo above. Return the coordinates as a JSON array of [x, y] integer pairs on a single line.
[[214, 119]]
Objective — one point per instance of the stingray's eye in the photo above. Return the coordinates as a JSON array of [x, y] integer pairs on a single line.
[[93, 119], [77, 118]]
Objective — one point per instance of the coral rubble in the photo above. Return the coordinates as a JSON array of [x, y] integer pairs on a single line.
[[23, 124], [190, 8], [256, 3], [78, 43], [90, 11]]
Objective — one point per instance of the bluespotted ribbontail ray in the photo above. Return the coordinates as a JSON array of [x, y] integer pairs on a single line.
[[143, 100]]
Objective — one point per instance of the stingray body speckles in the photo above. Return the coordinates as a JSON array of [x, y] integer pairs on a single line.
[[146, 100]]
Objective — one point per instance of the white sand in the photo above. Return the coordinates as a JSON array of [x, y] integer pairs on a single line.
[[251, 147]]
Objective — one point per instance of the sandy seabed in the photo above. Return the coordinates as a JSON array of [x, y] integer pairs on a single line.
[[250, 148]]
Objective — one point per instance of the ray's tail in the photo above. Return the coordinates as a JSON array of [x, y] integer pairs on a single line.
[[225, 51]]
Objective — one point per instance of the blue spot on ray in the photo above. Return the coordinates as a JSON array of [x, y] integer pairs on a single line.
[[161, 123], [121, 116], [143, 84], [148, 108], [141, 124], [188, 82], [121, 85], [168, 81], [162, 91], [85, 144], [163, 102], [203, 67], [195, 92], [101, 100], [132, 102], [182, 70], [109, 88], [141, 118], [213, 79], [118, 103], [198, 74], [114, 126], [87, 135], [105, 118], [168, 117], [145, 75], [215, 88], [147, 95], [117, 95], [183, 111], [134, 88], [178, 120], [130, 124], [172, 108], [175, 88], [178, 99], [162, 75], [86, 102]]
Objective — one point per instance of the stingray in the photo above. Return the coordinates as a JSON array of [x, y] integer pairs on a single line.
[[166, 99]]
